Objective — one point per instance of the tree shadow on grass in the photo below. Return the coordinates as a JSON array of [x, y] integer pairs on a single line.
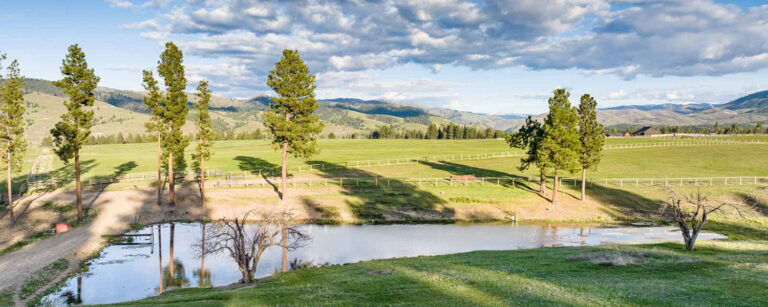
[[377, 198], [760, 205], [50, 181], [461, 169], [258, 166], [624, 202]]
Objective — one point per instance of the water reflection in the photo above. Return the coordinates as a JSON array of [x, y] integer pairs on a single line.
[[128, 272]]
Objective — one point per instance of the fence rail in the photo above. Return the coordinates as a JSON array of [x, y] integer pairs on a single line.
[[368, 182], [679, 144], [371, 182]]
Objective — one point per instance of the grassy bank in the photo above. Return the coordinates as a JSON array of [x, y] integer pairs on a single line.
[[718, 273]]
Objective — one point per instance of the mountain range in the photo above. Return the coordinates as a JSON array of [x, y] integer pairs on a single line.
[[123, 111]]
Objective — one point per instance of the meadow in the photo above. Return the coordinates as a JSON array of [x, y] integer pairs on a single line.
[[654, 162]]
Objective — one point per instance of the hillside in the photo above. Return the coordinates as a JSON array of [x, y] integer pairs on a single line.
[[123, 111]]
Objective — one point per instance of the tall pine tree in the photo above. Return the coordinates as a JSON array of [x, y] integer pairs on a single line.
[[71, 133], [592, 137], [154, 102], [205, 133], [290, 116], [529, 138], [175, 110], [13, 142], [560, 145]]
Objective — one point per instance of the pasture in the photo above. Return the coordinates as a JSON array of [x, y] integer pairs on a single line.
[[696, 160]]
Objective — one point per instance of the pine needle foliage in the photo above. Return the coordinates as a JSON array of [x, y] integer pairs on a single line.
[[13, 142], [290, 117]]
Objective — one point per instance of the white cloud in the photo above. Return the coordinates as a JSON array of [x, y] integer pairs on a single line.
[[618, 95], [120, 3], [365, 61], [154, 35], [146, 24], [596, 37]]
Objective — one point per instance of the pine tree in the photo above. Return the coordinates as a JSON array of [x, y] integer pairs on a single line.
[[759, 128], [560, 146], [205, 133], [529, 138], [153, 102], [432, 132], [175, 111], [71, 133], [290, 116], [592, 137], [13, 142]]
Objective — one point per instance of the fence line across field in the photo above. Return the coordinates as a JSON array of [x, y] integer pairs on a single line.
[[250, 173], [506, 181], [679, 144], [372, 182]]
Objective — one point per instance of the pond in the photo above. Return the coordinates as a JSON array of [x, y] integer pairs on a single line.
[[145, 267]]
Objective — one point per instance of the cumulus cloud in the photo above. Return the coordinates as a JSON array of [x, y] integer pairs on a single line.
[[598, 37]]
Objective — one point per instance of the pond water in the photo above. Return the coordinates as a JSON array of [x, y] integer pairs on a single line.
[[129, 272]]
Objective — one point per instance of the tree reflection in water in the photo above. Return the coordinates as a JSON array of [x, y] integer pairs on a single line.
[[71, 298], [203, 276]]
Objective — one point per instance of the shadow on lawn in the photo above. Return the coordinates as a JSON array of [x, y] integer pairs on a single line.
[[385, 198], [625, 202], [258, 166]]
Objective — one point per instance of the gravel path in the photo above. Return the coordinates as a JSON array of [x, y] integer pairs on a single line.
[[73, 245]]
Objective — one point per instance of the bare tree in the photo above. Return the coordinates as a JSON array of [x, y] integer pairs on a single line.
[[691, 212], [245, 242]]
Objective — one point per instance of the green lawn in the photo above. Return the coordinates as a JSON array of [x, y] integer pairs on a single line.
[[718, 273], [700, 161]]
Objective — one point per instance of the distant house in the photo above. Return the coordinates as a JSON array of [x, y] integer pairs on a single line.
[[617, 134], [646, 131]]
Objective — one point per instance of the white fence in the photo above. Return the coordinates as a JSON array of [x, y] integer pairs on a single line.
[[371, 182], [679, 144]]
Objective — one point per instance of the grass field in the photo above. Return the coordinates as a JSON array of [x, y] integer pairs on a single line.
[[657, 162], [718, 273]]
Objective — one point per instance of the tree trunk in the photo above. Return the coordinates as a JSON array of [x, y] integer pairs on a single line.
[[285, 173], [686, 232], [555, 186], [285, 167], [159, 170], [171, 195], [543, 182], [10, 191], [170, 268], [583, 184], [202, 182], [77, 188]]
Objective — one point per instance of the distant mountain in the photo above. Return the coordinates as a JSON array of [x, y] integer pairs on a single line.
[[126, 111], [754, 102], [667, 106], [512, 116]]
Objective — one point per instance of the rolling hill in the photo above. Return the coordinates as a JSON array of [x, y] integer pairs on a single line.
[[123, 111]]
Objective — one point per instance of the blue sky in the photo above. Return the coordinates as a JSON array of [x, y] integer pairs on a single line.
[[494, 56]]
